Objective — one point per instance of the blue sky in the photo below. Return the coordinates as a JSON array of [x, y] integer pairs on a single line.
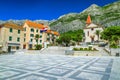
[[44, 9]]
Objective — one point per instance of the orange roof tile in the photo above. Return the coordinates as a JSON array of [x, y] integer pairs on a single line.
[[12, 25], [35, 25], [88, 21], [52, 32]]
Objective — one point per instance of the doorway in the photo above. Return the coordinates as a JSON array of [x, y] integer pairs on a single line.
[[24, 46], [9, 48]]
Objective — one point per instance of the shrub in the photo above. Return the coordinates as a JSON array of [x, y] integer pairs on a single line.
[[85, 49], [90, 48], [30, 49], [73, 43], [75, 49], [81, 49], [38, 47]]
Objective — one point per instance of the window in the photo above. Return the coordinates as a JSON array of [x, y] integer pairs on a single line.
[[88, 33], [17, 47], [31, 35], [18, 39], [37, 30], [36, 40], [48, 39], [52, 35], [10, 38], [18, 31], [40, 36], [32, 30], [92, 29], [40, 41], [31, 40], [24, 35], [11, 30], [24, 39]]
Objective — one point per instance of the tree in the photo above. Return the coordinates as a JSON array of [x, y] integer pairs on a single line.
[[37, 36], [66, 39], [98, 34], [109, 32], [112, 34]]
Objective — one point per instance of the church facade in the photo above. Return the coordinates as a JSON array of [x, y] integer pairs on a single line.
[[92, 31]]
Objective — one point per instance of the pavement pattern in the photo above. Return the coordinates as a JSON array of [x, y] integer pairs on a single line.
[[58, 67]]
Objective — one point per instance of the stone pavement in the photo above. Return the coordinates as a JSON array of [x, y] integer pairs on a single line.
[[58, 67]]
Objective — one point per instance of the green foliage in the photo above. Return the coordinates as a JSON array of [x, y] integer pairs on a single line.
[[111, 31], [97, 33], [81, 49], [37, 36], [75, 35], [70, 35], [112, 34], [90, 48], [76, 49], [38, 47], [85, 49]]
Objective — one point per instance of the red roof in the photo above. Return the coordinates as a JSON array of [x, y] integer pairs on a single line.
[[52, 32], [35, 25]]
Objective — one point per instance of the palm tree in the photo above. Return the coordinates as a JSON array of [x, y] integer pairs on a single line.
[[98, 34], [116, 39], [37, 36]]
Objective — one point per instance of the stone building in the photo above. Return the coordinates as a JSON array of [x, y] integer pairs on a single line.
[[11, 37], [90, 31]]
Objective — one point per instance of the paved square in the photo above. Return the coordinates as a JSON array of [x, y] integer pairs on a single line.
[[57, 67]]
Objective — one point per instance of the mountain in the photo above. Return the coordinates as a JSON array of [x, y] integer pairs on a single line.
[[108, 15], [21, 22]]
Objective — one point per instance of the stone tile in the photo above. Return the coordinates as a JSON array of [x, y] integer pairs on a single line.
[[35, 77], [10, 73], [56, 71]]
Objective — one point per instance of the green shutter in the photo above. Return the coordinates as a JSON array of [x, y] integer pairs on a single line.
[[40, 41], [40, 36], [31, 40], [36, 40], [18, 39], [37, 30], [24, 39], [31, 35], [11, 30], [10, 38], [18, 31]]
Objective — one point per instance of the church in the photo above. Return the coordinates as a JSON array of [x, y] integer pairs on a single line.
[[92, 31]]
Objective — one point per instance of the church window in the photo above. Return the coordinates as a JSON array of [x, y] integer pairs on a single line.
[[92, 29], [88, 33]]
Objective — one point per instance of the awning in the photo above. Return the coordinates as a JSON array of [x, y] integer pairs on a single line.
[[13, 44]]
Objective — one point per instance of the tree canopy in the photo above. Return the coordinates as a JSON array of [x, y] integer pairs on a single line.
[[111, 31], [66, 37], [112, 34]]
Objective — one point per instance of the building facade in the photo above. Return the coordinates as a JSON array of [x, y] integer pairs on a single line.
[[90, 31], [52, 36], [11, 37], [14, 37], [31, 29]]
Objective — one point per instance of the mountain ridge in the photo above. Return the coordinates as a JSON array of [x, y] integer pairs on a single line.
[[108, 15]]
